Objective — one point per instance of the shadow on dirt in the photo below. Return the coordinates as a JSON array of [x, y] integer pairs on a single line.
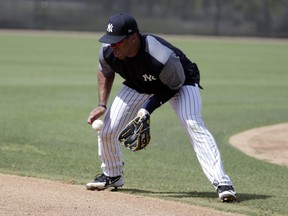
[[242, 197]]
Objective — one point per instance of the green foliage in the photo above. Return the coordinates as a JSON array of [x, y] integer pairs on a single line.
[[48, 87], [267, 18]]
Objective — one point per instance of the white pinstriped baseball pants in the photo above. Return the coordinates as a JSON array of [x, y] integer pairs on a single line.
[[187, 104]]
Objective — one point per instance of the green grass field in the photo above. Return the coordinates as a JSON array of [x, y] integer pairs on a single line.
[[48, 86]]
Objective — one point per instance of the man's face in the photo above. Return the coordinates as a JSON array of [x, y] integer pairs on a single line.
[[122, 49]]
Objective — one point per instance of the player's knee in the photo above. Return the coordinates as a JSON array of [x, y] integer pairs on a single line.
[[108, 135], [195, 124]]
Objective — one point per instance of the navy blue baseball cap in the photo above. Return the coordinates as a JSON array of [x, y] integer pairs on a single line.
[[119, 27]]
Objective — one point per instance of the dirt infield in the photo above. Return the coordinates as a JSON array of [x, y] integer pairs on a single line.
[[268, 143], [31, 196]]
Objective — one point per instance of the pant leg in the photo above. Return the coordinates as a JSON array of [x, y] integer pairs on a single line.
[[187, 104], [122, 110]]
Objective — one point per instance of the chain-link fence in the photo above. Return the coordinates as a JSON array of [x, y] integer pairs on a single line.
[[210, 17]]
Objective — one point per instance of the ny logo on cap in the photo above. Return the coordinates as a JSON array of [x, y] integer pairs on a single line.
[[110, 27]]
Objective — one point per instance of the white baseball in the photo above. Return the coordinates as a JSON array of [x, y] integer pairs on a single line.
[[97, 125]]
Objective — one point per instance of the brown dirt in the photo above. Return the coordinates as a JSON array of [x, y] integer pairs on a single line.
[[31, 196], [268, 143]]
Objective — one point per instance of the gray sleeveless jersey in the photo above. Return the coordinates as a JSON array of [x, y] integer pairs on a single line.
[[159, 69]]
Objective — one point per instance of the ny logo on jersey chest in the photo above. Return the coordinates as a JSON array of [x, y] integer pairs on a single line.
[[148, 77]]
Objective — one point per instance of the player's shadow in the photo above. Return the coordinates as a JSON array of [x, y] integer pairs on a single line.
[[242, 197]]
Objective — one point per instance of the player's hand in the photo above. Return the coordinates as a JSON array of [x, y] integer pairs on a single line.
[[95, 114], [136, 134], [142, 112]]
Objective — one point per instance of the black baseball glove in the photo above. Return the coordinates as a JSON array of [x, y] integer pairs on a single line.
[[136, 134]]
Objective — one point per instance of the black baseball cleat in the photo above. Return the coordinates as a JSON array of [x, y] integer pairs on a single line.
[[102, 182], [226, 193]]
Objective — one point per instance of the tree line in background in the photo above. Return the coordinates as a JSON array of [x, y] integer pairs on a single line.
[[264, 18]]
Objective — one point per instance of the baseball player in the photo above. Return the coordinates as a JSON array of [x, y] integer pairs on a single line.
[[154, 72]]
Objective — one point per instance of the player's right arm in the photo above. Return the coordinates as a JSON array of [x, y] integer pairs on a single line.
[[104, 89], [105, 84], [105, 78]]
